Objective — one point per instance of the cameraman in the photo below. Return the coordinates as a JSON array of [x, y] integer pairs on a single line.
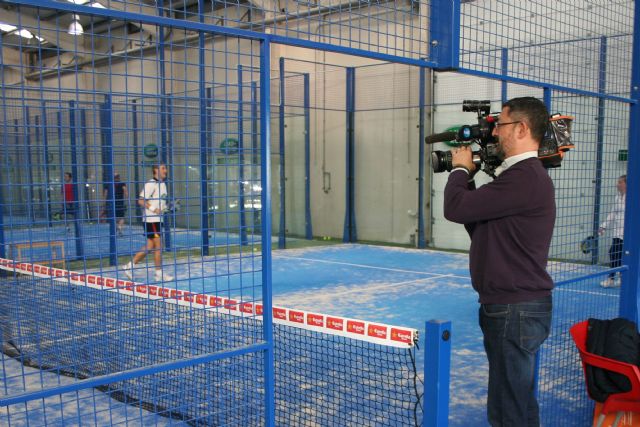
[[510, 221]]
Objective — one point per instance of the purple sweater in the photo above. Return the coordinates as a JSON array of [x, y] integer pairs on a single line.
[[510, 221]]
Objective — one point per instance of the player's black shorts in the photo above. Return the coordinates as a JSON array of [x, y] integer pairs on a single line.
[[152, 229], [121, 210]]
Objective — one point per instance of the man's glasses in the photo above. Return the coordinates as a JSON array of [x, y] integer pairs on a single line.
[[498, 124]]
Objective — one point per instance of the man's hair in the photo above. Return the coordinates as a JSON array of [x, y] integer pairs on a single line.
[[156, 167], [68, 174], [623, 177], [533, 112]]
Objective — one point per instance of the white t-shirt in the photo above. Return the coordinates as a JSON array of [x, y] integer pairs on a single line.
[[615, 219], [155, 194]]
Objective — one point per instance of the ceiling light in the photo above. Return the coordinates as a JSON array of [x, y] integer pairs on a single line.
[[75, 28]]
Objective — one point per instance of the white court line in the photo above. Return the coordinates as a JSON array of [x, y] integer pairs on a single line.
[[363, 287], [371, 266], [578, 291]]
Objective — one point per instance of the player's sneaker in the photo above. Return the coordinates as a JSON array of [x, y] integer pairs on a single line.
[[163, 277], [128, 270]]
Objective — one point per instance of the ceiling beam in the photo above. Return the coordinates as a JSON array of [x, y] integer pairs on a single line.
[[51, 33]]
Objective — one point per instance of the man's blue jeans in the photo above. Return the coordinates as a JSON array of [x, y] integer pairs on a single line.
[[513, 334]]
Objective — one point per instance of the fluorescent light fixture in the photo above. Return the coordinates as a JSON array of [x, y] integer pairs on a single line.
[[98, 5], [75, 28], [78, 1], [7, 28]]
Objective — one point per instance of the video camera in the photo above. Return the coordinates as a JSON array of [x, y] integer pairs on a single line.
[[556, 141]]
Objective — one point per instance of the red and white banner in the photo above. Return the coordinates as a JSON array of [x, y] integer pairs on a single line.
[[374, 332]]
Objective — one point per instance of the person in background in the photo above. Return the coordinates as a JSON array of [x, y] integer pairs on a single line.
[[510, 221], [615, 221], [121, 196], [69, 207], [153, 198]]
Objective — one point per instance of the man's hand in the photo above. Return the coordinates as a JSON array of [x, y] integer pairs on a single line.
[[462, 157], [601, 231]]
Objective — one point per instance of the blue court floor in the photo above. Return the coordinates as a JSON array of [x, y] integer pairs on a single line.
[[407, 287]]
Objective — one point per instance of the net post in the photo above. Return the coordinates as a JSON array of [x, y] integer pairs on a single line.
[[308, 228], [241, 197], [437, 371], [281, 125]]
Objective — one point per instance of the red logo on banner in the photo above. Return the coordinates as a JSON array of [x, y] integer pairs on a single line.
[[111, 283], [280, 313], [355, 327], [315, 320], [142, 289], [175, 294], [164, 292], [30, 267], [187, 296], [259, 309], [129, 286], [215, 301], [100, 281], [377, 331], [246, 307], [335, 323], [201, 299], [232, 304], [401, 335], [153, 290], [91, 280], [296, 316]]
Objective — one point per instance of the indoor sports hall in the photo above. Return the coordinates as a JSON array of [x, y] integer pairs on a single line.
[[274, 151]]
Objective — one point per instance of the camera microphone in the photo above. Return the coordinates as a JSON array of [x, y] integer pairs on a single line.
[[440, 137]]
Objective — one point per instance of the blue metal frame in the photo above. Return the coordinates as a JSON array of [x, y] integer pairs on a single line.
[[107, 174], [504, 86], [241, 198], [205, 96], [77, 217], [445, 34], [422, 242], [437, 372], [308, 229], [602, 80], [85, 161], [45, 154], [281, 232], [27, 146], [629, 303], [265, 175], [350, 231]]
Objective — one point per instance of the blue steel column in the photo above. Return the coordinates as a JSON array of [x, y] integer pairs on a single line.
[[602, 80], [437, 372], [107, 173], [29, 166], [165, 115], [350, 234], [255, 213], [505, 71], [422, 243], [241, 198], [444, 33], [45, 154], [308, 228], [167, 158], [265, 177], [136, 160], [210, 149], [631, 253], [85, 163], [283, 223], [77, 214], [204, 100]]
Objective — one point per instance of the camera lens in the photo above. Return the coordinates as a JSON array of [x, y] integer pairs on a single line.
[[441, 161]]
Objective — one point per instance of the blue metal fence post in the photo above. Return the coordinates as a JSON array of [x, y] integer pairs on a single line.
[[210, 149], [136, 160], [422, 243], [350, 233], [437, 372], [167, 158], [204, 100], [283, 224], [308, 227], [107, 173], [504, 68], [85, 164], [77, 212], [265, 175], [255, 146], [445, 33], [241, 198], [631, 253], [45, 154], [602, 80], [29, 166]]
